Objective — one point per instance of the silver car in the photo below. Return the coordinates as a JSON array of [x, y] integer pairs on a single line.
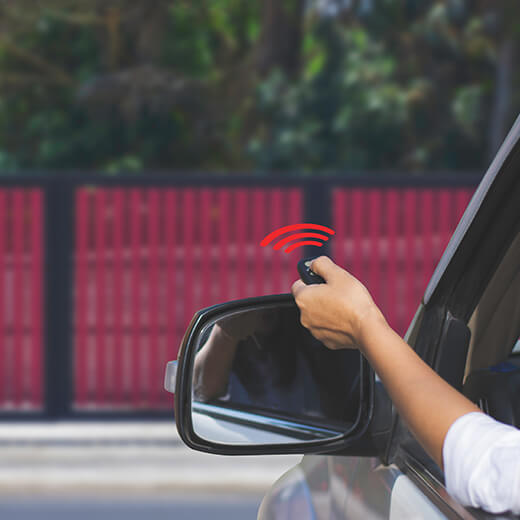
[[251, 380]]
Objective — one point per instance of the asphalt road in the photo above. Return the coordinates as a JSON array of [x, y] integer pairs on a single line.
[[161, 508]]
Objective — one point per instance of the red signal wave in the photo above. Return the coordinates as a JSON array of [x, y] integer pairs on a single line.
[[297, 236]]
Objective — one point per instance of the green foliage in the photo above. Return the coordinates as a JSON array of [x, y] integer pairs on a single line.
[[411, 100], [193, 47], [135, 86], [348, 114], [466, 108]]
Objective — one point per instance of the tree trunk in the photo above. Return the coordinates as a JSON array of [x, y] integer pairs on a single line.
[[279, 45]]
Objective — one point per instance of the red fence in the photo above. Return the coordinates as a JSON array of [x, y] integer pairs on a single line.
[[145, 259], [21, 254], [391, 239]]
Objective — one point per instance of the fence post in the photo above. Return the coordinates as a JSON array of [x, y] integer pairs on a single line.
[[58, 311], [318, 210]]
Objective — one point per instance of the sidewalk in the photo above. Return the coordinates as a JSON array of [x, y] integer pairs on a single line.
[[146, 457]]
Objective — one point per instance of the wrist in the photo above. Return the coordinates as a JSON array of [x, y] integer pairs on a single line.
[[370, 322]]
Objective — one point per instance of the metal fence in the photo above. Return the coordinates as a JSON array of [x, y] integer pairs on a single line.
[[21, 311], [100, 277]]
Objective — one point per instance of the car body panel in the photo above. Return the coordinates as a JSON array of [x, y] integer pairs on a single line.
[[337, 488], [407, 499]]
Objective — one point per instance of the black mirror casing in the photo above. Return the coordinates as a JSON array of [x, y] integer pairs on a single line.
[[357, 441]]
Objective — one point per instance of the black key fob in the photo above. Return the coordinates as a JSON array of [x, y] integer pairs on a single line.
[[309, 277]]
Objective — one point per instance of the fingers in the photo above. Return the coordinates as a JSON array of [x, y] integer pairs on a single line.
[[325, 267], [297, 287]]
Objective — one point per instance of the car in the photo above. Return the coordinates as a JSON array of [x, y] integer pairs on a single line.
[[250, 379]]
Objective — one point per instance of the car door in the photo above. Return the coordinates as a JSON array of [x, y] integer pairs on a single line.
[[405, 482]]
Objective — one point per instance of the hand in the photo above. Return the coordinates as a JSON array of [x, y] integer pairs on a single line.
[[337, 312]]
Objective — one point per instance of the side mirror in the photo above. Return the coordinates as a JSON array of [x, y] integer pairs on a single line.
[[250, 379]]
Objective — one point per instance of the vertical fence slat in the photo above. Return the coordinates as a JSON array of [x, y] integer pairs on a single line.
[[18, 282], [259, 233], [286, 260], [109, 263], [295, 206], [349, 232], [357, 233], [3, 270], [392, 251], [154, 359], [206, 253], [100, 252], [223, 250], [188, 228], [445, 227], [410, 253], [339, 220], [36, 243], [119, 269], [136, 296], [241, 246], [374, 235], [295, 216], [275, 209], [426, 235], [25, 318], [172, 343]]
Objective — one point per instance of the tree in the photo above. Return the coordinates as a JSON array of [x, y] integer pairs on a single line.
[[227, 85]]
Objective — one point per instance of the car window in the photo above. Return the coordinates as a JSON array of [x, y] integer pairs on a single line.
[[495, 323]]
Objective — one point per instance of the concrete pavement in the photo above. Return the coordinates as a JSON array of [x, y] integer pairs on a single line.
[[122, 457], [131, 508]]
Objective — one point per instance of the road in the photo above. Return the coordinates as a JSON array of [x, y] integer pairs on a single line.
[[125, 471], [195, 507]]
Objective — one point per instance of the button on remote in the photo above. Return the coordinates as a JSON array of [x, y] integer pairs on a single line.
[[308, 276]]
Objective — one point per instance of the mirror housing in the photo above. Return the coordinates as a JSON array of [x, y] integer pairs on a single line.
[[354, 440]]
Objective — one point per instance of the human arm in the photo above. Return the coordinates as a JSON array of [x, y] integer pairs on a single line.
[[213, 364], [342, 314], [214, 360]]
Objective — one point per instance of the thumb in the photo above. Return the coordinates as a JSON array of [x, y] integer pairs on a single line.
[[325, 267]]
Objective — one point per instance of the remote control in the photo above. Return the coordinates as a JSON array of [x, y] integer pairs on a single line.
[[308, 276]]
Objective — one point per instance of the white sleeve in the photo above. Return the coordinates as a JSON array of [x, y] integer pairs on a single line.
[[482, 463]]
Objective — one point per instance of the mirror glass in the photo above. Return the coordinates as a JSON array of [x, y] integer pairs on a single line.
[[259, 377]]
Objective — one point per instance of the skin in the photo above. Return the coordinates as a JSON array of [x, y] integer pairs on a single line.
[[342, 314], [213, 364], [214, 360]]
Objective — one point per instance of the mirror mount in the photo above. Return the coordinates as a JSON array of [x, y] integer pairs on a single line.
[[170, 376]]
